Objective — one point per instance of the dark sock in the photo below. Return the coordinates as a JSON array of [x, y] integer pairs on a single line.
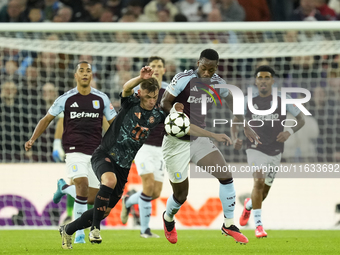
[[84, 221], [100, 205], [113, 201]]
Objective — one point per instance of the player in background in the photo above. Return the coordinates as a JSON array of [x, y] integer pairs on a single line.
[[149, 162], [84, 108], [269, 152], [201, 151], [58, 151], [59, 156]]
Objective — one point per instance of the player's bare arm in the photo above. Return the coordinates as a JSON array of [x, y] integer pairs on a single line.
[[39, 129], [234, 135], [200, 132], [58, 152], [59, 129], [111, 120], [167, 101], [144, 74], [283, 136], [248, 131], [107, 123]]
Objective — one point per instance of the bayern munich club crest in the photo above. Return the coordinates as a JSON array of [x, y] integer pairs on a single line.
[[96, 104], [151, 119]]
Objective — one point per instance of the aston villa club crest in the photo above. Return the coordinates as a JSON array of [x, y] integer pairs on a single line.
[[151, 119], [96, 104], [74, 168]]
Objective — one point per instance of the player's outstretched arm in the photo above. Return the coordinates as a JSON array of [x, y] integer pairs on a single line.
[[248, 131], [39, 129], [59, 129], [58, 153], [167, 102], [144, 74], [197, 131], [283, 136], [234, 135]]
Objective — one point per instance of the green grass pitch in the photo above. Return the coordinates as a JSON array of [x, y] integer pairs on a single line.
[[196, 242]]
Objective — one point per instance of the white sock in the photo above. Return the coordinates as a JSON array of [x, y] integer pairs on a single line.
[[257, 217], [133, 199], [71, 190], [249, 205], [227, 197], [172, 207], [228, 222], [79, 207], [144, 203]]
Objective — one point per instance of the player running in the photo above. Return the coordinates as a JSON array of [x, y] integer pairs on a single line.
[[149, 162], [269, 152], [84, 108], [112, 160], [201, 151]]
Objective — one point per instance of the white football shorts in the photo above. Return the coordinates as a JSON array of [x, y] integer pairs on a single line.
[[79, 165], [149, 160], [179, 153], [258, 158]]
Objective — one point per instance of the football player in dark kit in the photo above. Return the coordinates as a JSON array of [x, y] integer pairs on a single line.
[[112, 159], [149, 163]]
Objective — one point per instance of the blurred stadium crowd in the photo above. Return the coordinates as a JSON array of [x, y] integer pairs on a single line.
[[167, 11], [31, 81]]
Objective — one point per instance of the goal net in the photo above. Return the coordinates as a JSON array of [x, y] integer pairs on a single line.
[[38, 61]]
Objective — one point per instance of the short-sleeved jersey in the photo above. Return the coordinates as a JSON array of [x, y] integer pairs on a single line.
[[83, 119], [268, 133], [188, 88], [156, 135], [129, 130]]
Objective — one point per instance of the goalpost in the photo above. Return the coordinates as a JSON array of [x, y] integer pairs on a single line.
[[238, 40], [304, 54], [38, 60]]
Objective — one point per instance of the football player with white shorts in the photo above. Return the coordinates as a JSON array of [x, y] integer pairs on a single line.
[[187, 88], [84, 108], [268, 153]]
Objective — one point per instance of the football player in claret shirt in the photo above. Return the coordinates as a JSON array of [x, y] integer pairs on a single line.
[[84, 108], [272, 137], [178, 153]]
